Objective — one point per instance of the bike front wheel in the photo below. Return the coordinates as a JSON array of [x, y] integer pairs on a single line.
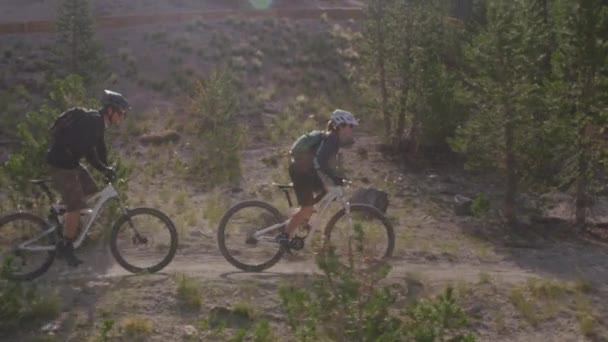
[[236, 239], [362, 239], [143, 240], [25, 263]]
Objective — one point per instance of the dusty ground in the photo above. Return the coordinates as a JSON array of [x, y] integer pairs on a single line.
[[502, 279], [15, 11]]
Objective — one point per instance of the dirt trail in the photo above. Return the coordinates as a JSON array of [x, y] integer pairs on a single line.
[[213, 267]]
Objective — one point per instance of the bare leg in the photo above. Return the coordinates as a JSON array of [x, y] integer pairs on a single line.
[[299, 217], [72, 220], [70, 230]]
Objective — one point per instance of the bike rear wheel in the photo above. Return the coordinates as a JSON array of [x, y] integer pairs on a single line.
[[143, 240], [365, 243], [23, 264], [236, 241]]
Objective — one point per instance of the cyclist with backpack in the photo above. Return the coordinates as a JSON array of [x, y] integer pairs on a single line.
[[79, 133], [312, 167]]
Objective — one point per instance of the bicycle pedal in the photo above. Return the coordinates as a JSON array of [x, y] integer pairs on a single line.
[[284, 245], [74, 264], [297, 243]]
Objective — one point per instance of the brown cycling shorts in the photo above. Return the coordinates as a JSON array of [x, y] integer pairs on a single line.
[[73, 185]]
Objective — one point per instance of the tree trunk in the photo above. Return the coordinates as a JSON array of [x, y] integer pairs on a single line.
[[402, 112], [588, 11], [384, 94], [413, 138], [404, 69], [551, 43], [581, 184], [584, 144], [74, 42], [380, 16], [511, 184]]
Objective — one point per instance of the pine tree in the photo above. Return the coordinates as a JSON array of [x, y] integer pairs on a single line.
[[503, 58], [404, 45], [76, 47], [377, 51], [580, 68]]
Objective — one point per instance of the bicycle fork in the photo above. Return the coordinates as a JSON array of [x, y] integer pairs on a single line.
[[354, 233], [137, 238]]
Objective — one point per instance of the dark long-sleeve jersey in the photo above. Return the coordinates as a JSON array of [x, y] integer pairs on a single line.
[[84, 139]]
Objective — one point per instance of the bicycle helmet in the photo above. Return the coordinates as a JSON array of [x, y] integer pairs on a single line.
[[340, 116], [114, 99]]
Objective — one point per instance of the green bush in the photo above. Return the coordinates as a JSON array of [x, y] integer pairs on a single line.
[[21, 304], [104, 330], [76, 49], [480, 206], [33, 132], [352, 306], [13, 103], [302, 115], [29, 161], [188, 291], [215, 107]]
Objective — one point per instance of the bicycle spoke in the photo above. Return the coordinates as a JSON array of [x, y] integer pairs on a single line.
[[361, 241], [25, 263], [144, 241], [245, 239]]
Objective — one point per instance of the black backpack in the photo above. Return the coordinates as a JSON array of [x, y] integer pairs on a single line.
[[64, 122], [306, 143]]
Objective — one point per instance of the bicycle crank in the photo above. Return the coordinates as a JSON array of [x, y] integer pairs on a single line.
[[297, 243]]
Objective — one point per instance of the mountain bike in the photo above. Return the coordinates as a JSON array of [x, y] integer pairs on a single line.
[[28, 242], [247, 233]]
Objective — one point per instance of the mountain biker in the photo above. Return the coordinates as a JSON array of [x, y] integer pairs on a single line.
[[78, 133], [313, 171]]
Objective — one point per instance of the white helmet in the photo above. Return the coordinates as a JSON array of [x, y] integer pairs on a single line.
[[340, 116]]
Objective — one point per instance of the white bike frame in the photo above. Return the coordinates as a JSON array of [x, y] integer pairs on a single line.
[[99, 199], [334, 193]]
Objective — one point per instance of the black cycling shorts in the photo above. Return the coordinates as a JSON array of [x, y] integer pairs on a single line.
[[305, 185]]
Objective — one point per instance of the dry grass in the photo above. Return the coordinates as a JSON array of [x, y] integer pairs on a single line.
[[47, 307], [485, 278], [245, 310], [188, 291], [136, 327], [216, 205], [541, 299], [525, 305], [587, 323]]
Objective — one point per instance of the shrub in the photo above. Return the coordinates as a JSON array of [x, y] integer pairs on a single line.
[[188, 292], [351, 306], [21, 304], [216, 107]]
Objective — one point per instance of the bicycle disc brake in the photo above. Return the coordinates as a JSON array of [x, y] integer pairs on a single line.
[[251, 239], [138, 239]]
